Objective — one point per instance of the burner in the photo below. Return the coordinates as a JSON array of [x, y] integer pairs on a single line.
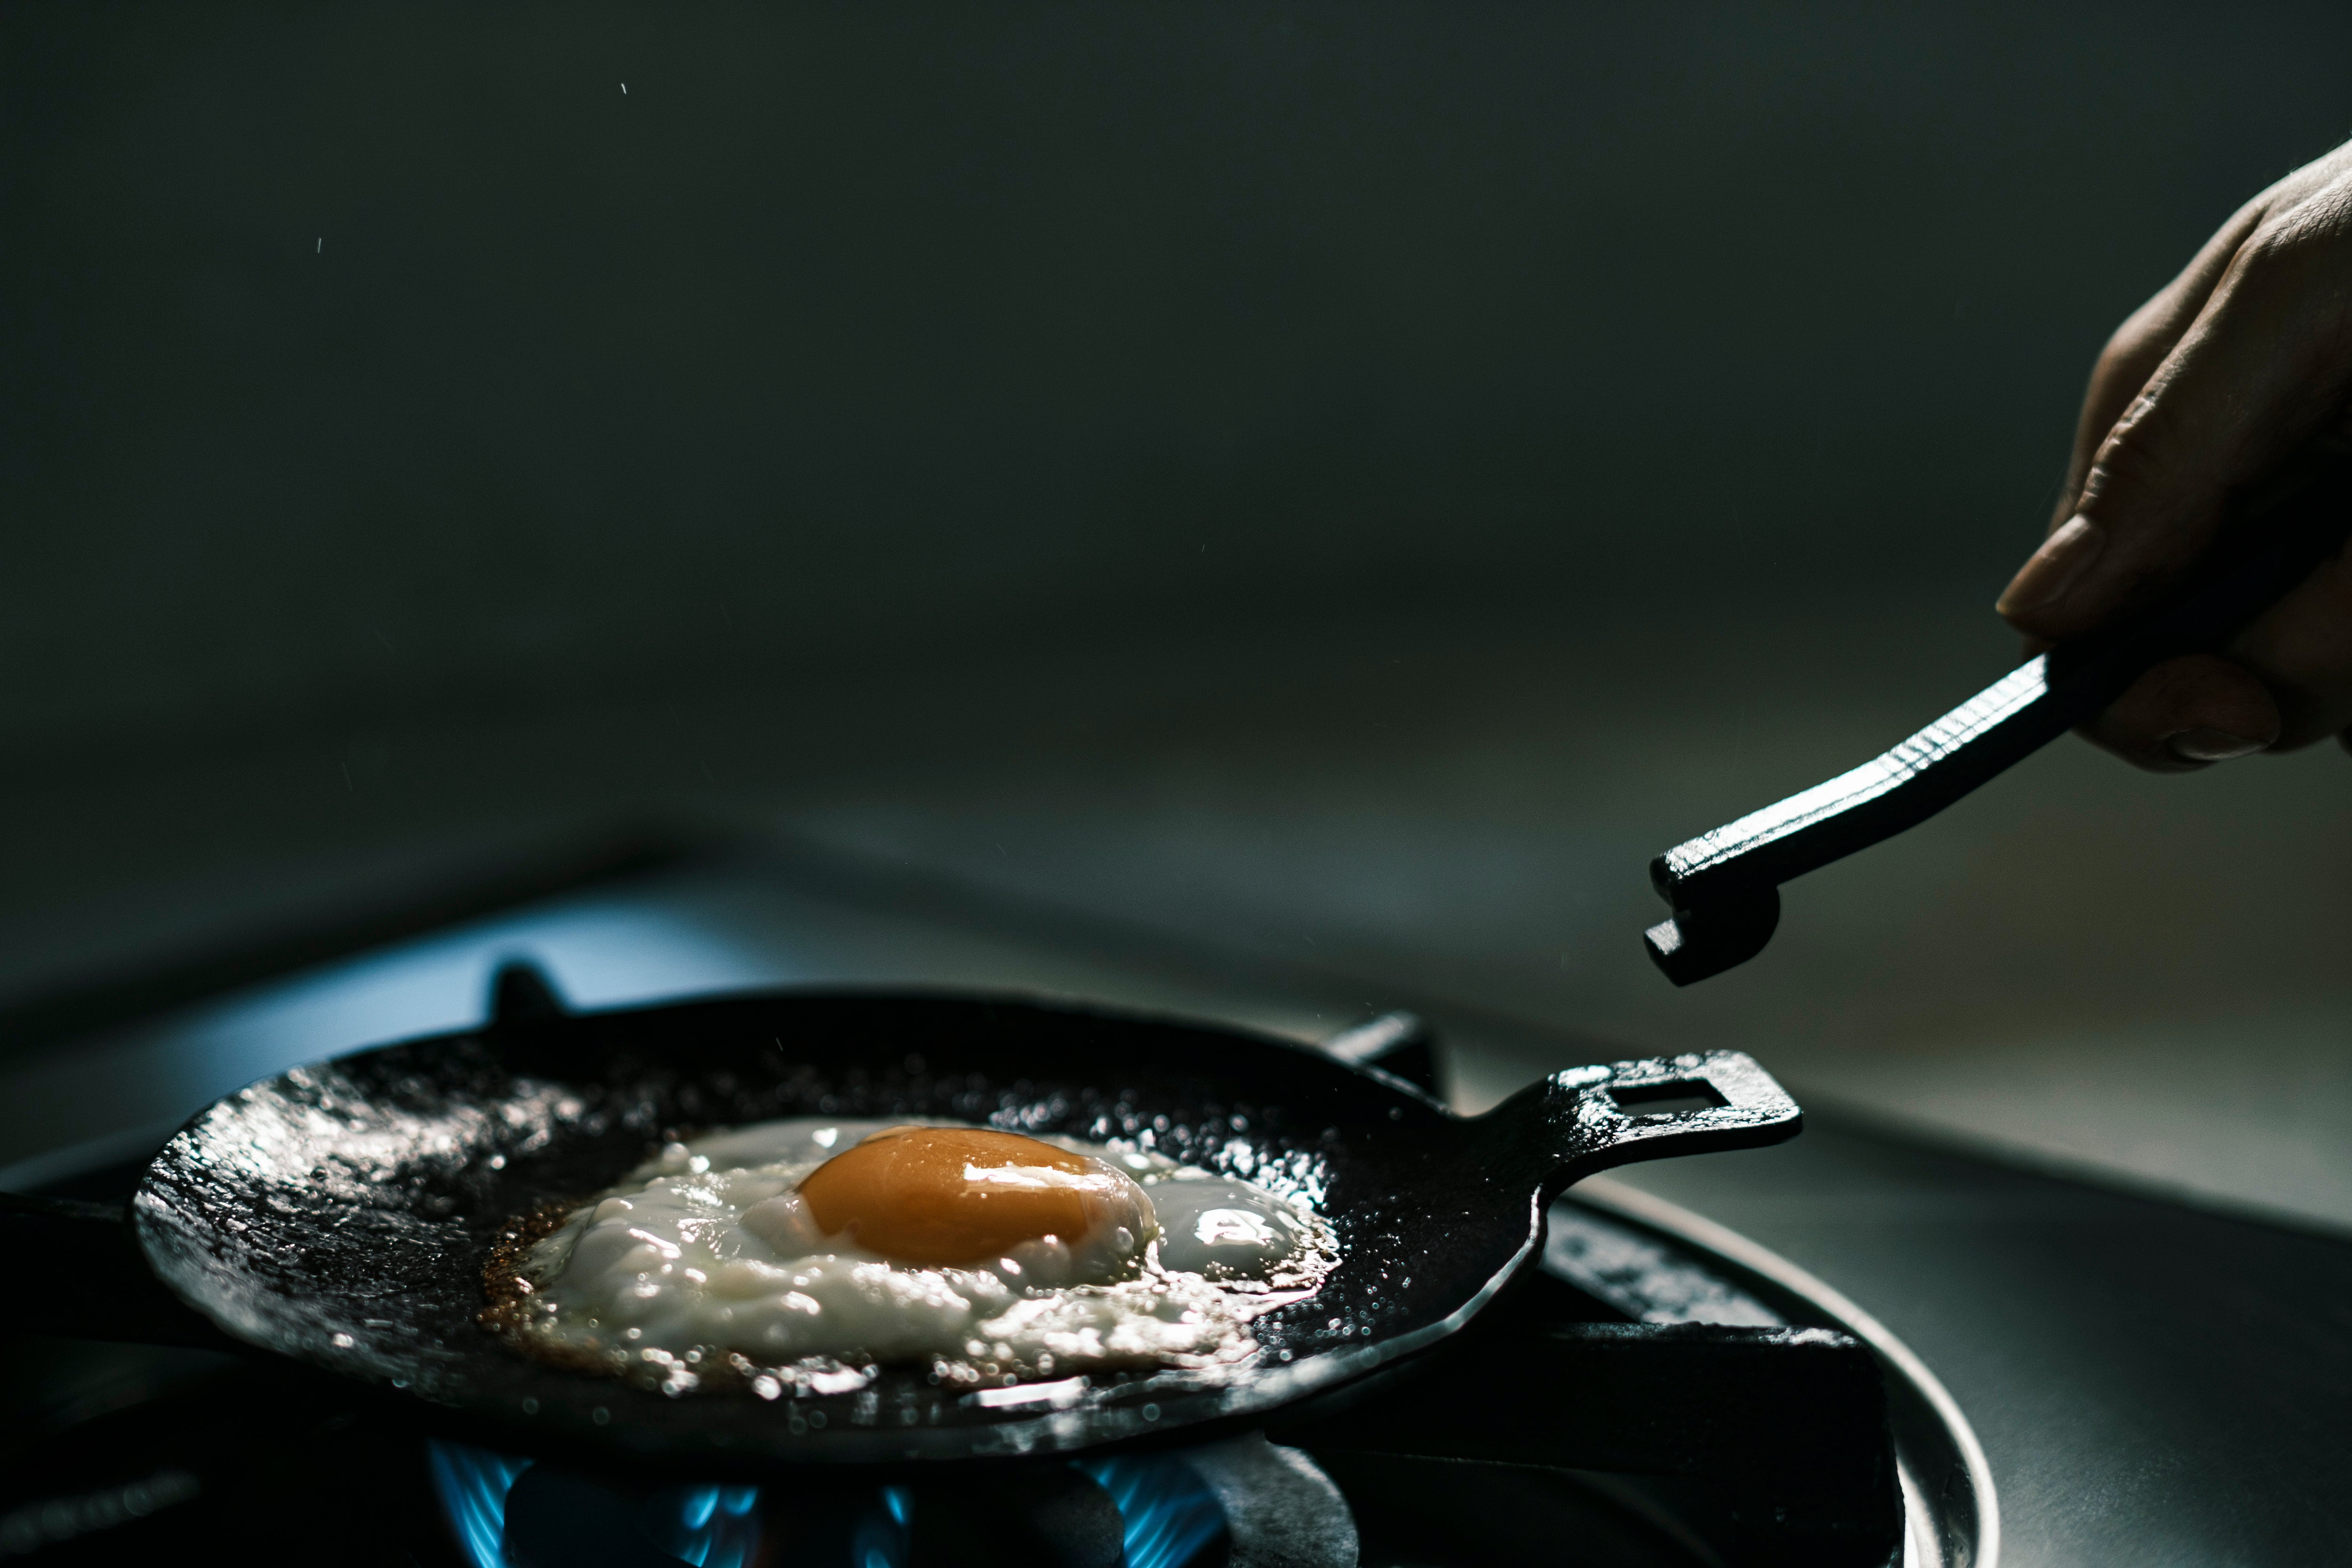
[[1679, 1396], [1242, 1503], [1238, 1503]]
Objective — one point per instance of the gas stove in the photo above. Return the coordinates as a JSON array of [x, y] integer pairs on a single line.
[[1692, 1397]]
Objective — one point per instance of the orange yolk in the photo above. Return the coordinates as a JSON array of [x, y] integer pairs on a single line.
[[939, 1196]]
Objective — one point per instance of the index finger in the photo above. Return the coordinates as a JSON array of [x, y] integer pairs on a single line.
[[2141, 344]]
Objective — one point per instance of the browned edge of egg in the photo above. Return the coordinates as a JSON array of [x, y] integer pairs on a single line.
[[510, 1292]]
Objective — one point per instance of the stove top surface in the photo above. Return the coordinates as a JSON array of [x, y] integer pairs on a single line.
[[2153, 1384]]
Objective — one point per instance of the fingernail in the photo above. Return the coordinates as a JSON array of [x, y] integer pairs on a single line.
[[2057, 566], [2210, 745]]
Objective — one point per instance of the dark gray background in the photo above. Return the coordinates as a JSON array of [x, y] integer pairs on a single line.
[[885, 332], [1348, 480]]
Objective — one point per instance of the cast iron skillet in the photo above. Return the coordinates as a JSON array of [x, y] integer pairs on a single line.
[[342, 1215]]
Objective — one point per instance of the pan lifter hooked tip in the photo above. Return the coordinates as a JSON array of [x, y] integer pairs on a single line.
[[1709, 936]]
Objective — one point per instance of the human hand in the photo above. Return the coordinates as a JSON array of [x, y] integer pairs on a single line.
[[2239, 364]]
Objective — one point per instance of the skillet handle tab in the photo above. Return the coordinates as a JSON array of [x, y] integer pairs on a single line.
[[1589, 1119]]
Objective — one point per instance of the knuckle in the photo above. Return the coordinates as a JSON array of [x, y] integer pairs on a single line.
[[2270, 251], [2288, 244], [2134, 348], [2122, 355], [2137, 454]]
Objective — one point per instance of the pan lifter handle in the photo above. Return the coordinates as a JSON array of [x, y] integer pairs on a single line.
[[1725, 885], [1589, 1119], [115, 1297]]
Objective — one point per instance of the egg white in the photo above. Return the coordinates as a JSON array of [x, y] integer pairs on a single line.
[[705, 1265]]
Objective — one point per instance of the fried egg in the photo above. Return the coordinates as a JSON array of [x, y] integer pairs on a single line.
[[801, 1254]]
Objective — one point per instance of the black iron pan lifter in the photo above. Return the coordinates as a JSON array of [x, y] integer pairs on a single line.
[[1724, 886]]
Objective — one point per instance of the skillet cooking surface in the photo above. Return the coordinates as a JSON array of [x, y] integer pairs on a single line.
[[343, 1214]]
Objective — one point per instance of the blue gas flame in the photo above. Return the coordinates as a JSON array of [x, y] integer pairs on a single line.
[[708, 1526], [1168, 1512], [473, 1484]]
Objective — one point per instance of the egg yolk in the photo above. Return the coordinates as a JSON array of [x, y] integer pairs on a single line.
[[939, 1196]]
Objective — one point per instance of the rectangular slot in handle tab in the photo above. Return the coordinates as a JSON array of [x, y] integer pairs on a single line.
[[1677, 1098]]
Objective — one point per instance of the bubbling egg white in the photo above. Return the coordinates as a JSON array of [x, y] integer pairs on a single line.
[[803, 1253]]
